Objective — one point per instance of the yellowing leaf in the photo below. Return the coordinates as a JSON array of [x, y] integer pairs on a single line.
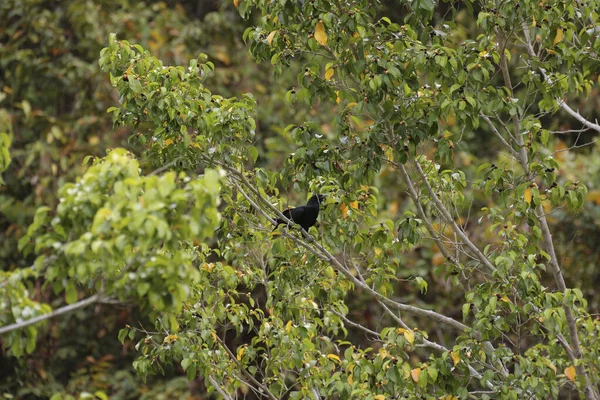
[[527, 195], [236, 3], [208, 267], [549, 364], [344, 209], [570, 373], [270, 37], [320, 35], [338, 99], [533, 23], [241, 352], [354, 205], [288, 326], [377, 251], [505, 299], [170, 339], [415, 374], [455, 357], [350, 379], [409, 336], [333, 357], [559, 36], [329, 73], [380, 397]]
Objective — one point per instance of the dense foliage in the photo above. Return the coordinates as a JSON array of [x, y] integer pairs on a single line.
[[455, 252]]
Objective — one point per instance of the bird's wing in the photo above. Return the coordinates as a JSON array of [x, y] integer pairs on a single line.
[[296, 214]]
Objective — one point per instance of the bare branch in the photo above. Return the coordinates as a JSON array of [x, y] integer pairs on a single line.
[[59, 311], [218, 388], [499, 135]]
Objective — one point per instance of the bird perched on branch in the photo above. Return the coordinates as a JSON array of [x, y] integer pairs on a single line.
[[305, 216]]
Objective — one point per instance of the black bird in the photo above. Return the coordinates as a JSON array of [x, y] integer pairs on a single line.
[[305, 216]]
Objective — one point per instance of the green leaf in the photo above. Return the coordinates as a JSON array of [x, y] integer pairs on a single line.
[[70, 292], [135, 85], [122, 335], [253, 153]]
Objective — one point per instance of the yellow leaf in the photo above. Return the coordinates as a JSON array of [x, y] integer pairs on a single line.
[[168, 142], [528, 194], [354, 205], [170, 339], [270, 37], [415, 374], [241, 352], [337, 100], [570, 373], [505, 299], [377, 251], [380, 397], [236, 3], [333, 357], [455, 357], [344, 209], [320, 34], [288, 326], [350, 379], [533, 23], [559, 36], [409, 336], [329, 73]]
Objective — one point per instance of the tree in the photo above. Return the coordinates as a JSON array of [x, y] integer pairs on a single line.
[[275, 313]]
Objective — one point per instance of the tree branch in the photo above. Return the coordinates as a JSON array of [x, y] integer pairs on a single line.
[[63, 310], [560, 102], [218, 388], [319, 250], [241, 368], [446, 214]]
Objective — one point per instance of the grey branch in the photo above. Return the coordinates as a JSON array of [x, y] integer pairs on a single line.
[[59, 311]]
